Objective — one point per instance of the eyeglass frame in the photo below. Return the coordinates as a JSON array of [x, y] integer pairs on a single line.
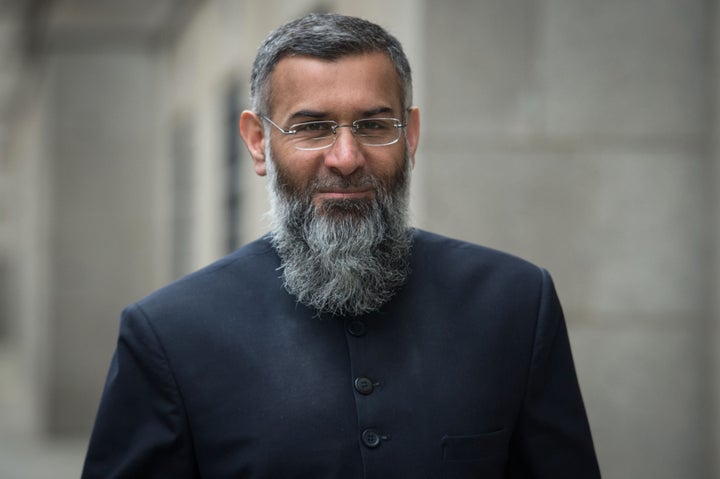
[[353, 129]]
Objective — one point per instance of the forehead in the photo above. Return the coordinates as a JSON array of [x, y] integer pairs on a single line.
[[349, 85]]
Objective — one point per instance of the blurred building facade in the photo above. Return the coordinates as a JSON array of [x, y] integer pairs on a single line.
[[579, 134]]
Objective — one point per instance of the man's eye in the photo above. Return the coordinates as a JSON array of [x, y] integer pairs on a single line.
[[373, 125], [313, 127]]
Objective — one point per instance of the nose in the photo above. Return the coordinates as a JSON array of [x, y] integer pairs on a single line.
[[345, 156]]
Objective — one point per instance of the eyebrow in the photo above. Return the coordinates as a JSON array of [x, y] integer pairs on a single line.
[[377, 111], [308, 114]]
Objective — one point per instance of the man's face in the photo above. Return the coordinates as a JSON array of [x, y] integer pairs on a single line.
[[354, 87], [338, 214]]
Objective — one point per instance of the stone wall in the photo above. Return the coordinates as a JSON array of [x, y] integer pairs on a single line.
[[575, 133]]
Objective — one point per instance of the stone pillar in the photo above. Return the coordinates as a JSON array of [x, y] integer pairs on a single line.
[[102, 209], [99, 155]]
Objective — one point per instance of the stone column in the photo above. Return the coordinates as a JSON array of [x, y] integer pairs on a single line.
[[101, 154]]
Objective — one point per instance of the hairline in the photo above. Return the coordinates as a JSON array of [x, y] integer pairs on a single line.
[[349, 41]]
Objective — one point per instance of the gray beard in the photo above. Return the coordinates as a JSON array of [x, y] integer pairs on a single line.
[[348, 257]]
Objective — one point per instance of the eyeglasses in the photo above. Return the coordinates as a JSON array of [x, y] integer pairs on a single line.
[[316, 135]]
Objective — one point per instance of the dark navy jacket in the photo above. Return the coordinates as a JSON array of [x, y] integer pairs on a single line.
[[465, 373]]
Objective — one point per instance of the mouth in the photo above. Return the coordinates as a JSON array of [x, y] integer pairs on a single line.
[[344, 194], [344, 202]]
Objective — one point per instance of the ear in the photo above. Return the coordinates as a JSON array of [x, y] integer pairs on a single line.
[[412, 132], [252, 131]]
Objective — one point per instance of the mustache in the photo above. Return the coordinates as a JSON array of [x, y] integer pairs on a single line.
[[356, 180]]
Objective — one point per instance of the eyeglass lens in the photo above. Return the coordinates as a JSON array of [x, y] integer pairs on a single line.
[[371, 132]]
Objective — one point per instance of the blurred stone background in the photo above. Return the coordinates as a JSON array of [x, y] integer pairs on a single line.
[[580, 134]]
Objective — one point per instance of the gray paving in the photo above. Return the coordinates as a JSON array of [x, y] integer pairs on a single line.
[[25, 453]]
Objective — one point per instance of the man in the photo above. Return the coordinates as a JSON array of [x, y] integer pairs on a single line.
[[344, 344]]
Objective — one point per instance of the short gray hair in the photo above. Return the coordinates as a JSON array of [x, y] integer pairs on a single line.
[[328, 36]]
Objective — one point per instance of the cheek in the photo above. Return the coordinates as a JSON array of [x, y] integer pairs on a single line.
[[295, 172], [389, 170]]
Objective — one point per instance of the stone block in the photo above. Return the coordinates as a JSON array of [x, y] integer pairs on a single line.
[[645, 391], [625, 67], [479, 66]]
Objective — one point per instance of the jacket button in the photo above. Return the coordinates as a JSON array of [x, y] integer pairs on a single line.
[[371, 438], [364, 385], [356, 328]]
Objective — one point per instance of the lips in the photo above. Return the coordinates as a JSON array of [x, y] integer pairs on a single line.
[[346, 188], [343, 194]]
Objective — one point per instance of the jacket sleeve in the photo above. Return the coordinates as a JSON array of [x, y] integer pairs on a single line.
[[552, 439], [141, 428]]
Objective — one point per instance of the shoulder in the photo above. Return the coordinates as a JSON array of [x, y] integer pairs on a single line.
[[461, 269], [463, 257], [475, 281], [237, 275]]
